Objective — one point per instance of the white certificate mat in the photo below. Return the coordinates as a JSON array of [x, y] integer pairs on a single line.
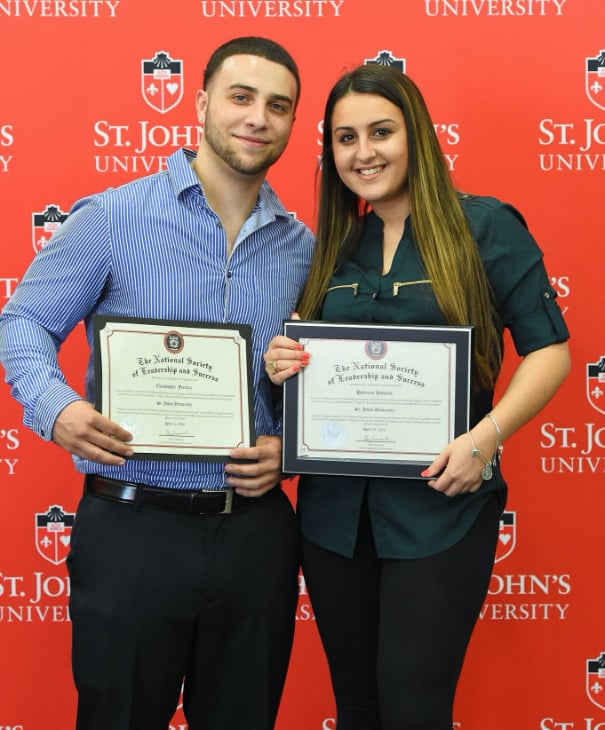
[[375, 400], [183, 389]]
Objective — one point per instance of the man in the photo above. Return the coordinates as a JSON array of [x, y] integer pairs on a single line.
[[205, 589]]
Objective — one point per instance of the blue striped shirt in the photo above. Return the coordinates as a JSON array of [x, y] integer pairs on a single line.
[[152, 248]]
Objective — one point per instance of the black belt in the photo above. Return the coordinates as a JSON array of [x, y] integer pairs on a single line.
[[193, 501]]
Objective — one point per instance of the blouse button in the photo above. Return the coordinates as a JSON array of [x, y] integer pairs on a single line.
[[375, 295]]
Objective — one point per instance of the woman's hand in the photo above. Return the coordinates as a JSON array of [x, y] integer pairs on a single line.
[[456, 470], [284, 358], [534, 382]]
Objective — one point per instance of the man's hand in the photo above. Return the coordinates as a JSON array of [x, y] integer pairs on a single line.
[[84, 432], [257, 477]]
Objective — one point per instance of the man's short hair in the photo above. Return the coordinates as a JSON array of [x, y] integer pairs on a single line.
[[252, 46]]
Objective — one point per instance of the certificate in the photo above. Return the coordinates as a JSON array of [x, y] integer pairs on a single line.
[[182, 389], [375, 400]]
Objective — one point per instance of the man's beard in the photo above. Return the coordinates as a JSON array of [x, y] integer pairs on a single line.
[[231, 158]]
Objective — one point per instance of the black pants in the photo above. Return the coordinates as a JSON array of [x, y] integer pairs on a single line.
[[160, 596], [395, 632]]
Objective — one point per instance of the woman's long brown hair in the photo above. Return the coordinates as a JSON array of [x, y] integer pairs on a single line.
[[447, 248]]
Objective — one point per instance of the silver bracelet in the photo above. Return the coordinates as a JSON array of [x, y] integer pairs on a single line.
[[499, 446], [487, 471]]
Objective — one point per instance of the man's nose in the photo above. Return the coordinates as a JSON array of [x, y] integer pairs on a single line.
[[257, 115]]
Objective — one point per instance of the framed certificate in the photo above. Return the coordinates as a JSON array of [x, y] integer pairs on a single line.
[[183, 389], [375, 400]]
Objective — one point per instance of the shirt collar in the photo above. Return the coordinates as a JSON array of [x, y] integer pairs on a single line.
[[183, 178]]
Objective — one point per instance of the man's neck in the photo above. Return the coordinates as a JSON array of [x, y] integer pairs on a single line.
[[226, 190], [230, 194]]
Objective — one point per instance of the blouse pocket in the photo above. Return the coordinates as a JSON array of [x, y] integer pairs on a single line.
[[398, 284], [354, 287], [338, 301]]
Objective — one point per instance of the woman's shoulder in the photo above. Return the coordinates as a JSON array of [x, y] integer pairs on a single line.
[[496, 225], [482, 209], [504, 240]]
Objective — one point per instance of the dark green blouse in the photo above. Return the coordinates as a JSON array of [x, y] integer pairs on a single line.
[[409, 519]]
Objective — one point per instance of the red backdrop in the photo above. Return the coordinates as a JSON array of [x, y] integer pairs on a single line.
[[517, 91]]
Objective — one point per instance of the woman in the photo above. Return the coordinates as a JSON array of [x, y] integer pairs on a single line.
[[397, 569]]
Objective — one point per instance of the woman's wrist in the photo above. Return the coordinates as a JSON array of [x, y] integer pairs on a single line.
[[485, 446]]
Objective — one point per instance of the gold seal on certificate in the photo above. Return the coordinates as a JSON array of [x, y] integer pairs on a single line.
[[183, 389], [375, 400]]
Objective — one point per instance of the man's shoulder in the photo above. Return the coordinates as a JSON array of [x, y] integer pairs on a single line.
[[132, 197], [137, 187], [159, 181]]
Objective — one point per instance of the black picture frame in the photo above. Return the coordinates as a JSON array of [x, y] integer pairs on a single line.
[[373, 463]]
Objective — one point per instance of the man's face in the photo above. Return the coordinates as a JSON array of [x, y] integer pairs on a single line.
[[247, 111]]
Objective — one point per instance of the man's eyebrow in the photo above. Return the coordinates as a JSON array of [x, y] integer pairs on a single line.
[[254, 90], [282, 97], [246, 87]]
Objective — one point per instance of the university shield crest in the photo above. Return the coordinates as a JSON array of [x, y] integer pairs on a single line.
[[45, 224], [507, 535], [595, 681], [53, 534], [595, 384], [595, 80], [162, 82], [386, 58]]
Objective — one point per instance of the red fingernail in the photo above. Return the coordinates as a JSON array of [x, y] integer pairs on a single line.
[[295, 368]]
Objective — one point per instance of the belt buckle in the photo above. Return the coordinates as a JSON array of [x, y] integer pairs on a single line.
[[228, 500]]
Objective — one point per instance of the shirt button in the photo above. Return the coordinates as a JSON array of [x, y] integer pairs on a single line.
[[229, 274]]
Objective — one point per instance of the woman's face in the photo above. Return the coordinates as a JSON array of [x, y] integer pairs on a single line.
[[370, 144]]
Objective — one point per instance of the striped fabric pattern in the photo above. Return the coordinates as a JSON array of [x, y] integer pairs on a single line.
[[152, 248]]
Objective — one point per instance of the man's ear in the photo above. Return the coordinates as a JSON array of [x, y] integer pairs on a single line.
[[201, 104]]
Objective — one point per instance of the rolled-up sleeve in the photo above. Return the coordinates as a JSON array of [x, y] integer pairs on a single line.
[[542, 326], [525, 300]]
